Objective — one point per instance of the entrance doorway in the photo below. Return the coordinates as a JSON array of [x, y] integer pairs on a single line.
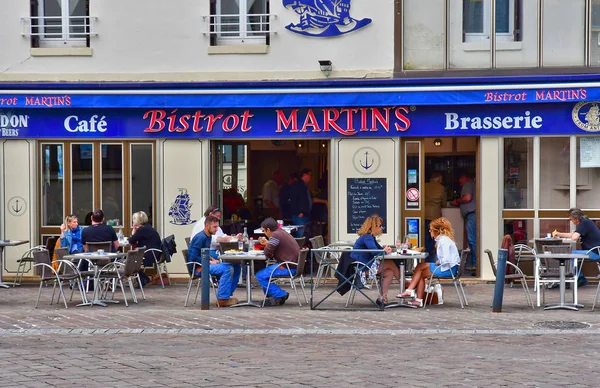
[[241, 169], [447, 159]]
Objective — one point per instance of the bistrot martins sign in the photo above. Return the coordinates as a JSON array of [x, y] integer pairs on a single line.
[[351, 122]]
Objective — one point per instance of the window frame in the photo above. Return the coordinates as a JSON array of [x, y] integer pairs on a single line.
[[65, 39], [244, 34]]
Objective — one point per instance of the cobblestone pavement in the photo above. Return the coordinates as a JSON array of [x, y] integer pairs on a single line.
[[160, 343]]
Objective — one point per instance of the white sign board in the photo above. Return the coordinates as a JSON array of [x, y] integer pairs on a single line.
[[589, 152]]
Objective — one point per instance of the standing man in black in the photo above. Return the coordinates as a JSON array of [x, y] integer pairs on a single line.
[[99, 232], [301, 198]]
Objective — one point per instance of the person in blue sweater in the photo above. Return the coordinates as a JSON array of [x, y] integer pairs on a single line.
[[228, 273], [367, 239], [70, 235]]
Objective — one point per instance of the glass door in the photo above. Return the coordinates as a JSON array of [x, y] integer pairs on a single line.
[[230, 180]]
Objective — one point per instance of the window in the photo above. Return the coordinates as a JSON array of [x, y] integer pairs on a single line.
[[518, 173], [227, 153], [60, 23], [477, 20], [235, 22]]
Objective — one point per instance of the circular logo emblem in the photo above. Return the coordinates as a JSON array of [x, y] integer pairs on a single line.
[[17, 206], [366, 160], [412, 194], [586, 115]]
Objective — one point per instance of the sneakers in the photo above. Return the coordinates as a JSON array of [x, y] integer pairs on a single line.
[[227, 302], [270, 301]]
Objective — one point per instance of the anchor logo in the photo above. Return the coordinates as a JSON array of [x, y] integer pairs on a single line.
[[16, 207], [366, 160], [367, 166]]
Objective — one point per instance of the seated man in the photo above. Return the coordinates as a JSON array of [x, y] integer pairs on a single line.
[[280, 246], [227, 273], [219, 236]]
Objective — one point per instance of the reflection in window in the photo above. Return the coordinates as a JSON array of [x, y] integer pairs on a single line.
[[112, 181], [82, 189], [228, 150], [477, 15], [52, 184], [142, 174], [554, 172], [518, 173], [521, 231], [548, 226]]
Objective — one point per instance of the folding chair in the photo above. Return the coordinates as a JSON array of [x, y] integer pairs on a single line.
[[456, 280], [49, 274], [96, 246], [526, 254], [120, 271], [359, 267], [193, 276], [298, 276], [597, 251], [519, 275]]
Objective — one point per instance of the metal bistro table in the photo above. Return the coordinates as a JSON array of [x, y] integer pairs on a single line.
[[562, 258], [7, 243], [401, 259], [245, 259], [95, 258]]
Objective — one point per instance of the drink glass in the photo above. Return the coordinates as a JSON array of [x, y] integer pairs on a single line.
[[240, 246], [398, 244], [280, 223]]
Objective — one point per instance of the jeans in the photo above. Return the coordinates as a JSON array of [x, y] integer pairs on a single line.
[[228, 275], [263, 275], [593, 257], [471, 224], [300, 221]]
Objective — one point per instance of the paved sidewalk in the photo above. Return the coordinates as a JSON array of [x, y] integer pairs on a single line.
[[160, 343]]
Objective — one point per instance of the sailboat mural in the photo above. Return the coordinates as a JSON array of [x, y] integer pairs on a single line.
[[324, 18], [180, 209]]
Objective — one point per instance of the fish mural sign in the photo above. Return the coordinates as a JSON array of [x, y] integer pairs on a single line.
[[324, 18]]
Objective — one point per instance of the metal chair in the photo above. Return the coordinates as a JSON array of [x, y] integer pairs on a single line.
[[326, 260], [27, 258], [595, 249], [301, 241], [298, 276], [549, 269], [228, 246], [526, 254], [456, 280], [359, 267], [160, 261], [191, 266], [49, 274], [106, 246], [519, 275], [119, 271]]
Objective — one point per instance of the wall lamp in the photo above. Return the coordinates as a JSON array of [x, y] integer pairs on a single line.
[[326, 67], [437, 142]]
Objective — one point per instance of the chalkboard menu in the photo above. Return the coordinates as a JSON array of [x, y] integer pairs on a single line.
[[365, 197]]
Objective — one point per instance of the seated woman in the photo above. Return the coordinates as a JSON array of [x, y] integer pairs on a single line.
[[447, 263], [144, 235], [70, 235], [370, 229]]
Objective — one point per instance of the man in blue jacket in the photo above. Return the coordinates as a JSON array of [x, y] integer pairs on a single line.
[[228, 273]]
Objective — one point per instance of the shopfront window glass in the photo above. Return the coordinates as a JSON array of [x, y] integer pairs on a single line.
[[82, 180], [52, 184], [521, 231], [518, 173], [588, 172], [554, 172], [142, 187], [112, 181], [548, 226]]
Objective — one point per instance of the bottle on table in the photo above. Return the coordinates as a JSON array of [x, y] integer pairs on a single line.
[[398, 244], [245, 238]]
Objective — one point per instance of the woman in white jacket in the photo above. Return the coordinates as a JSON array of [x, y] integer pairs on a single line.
[[447, 263]]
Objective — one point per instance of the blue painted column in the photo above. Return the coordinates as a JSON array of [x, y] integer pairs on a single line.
[[499, 288], [205, 297]]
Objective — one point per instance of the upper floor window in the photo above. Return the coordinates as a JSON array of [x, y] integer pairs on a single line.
[[60, 23], [477, 20], [239, 22]]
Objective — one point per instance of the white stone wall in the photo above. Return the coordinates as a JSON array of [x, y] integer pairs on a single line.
[[163, 40]]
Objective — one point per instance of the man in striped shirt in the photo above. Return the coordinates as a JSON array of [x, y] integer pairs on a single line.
[[280, 246]]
